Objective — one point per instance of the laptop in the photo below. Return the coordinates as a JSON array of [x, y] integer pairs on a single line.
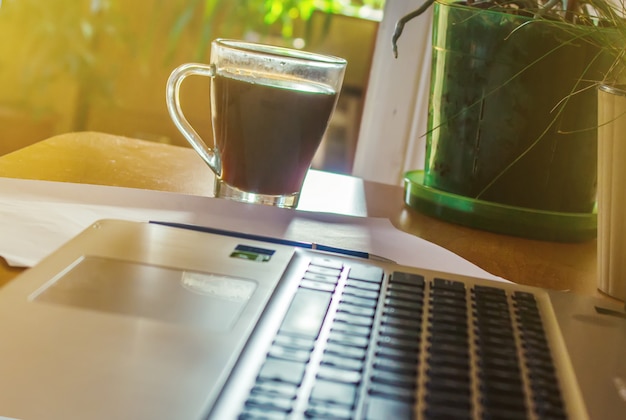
[[143, 321]]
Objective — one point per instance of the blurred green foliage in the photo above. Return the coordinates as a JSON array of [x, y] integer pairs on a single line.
[[63, 39], [264, 17]]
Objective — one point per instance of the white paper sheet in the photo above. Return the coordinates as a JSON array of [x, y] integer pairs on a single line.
[[36, 217]]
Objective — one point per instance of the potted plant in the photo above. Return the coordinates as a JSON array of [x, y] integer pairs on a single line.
[[512, 125]]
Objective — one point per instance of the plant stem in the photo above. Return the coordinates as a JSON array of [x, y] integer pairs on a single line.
[[403, 21]]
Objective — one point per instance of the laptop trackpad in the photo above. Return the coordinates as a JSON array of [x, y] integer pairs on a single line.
[[205, 300]]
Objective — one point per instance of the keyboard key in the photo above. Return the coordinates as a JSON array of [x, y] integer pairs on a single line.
[[490, 338], [406, 289], [504, 363], [485, 311], [448, 344], [489, 290], [439, 283], [326, 271], [533, 330], [507, 375], [282, 370], [321, 277], [445, 399], [356, 310], [460, 360], [399, 322], [536, 342], [342, 362], [322, 410], [490, 335], [360, 292], [528, 311], [449, 301], [493, 326], [359, 301], [327, 262], [446, 385], [529, 318], [392, 392], [523, 296], [506, 402], [361, 320], [256, 413], [272, 402], [288, 353], [450, 317], [366, 273], [447, 372], [405, 366], [544, 383], [547, 393], [339, 375], [355, 291], [397, 353], [407, 278], [501, 413], [488, 353], [346, 351], [498, 388], [365, 285], [490, 301], [334, 392], [550, 411], [490, 297], [302, 343], [443, 412], [283, 389], [401, 333], [386, 341], [395, 302], [401, 379], [412, 313], [540, 364], [394, 293], [384, 408], [533, 334], [317, 285], [349, 328], [347, 339], [459, 329], [306, 313], [444, 346]]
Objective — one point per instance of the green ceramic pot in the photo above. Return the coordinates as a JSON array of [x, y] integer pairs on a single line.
[[510, 118]]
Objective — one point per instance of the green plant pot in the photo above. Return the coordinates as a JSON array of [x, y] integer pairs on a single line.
[[510, 118]]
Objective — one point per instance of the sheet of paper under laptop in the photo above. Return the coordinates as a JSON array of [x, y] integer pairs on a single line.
[[134, 320]]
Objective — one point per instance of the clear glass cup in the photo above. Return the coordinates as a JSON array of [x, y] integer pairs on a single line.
[[270, 107]]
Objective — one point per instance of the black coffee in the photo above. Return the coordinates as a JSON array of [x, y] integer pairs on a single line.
[[267, 130]]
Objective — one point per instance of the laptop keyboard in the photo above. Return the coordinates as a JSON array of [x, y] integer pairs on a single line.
[[354, 346]]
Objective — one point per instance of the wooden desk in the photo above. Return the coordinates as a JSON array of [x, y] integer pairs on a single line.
[[95, 158]]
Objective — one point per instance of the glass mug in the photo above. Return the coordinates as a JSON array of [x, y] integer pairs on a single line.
[[270, 107]]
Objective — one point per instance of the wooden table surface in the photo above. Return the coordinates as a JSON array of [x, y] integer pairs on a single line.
[[96, 158]]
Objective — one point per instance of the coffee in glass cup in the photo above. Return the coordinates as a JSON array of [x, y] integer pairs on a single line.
[[270, 107]]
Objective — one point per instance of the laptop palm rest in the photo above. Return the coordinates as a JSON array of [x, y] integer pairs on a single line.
[[209, 301]]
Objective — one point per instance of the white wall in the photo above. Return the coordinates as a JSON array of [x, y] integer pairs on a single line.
[[394, 122]]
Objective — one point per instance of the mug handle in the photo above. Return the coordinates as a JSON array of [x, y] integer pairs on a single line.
[[172, 99]]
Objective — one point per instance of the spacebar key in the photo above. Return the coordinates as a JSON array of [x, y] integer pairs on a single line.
[[306, 313]]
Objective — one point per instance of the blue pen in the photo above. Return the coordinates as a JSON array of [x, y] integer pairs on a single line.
[[278, 241]]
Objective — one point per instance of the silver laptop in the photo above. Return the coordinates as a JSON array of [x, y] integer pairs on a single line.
[[143, 321]]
